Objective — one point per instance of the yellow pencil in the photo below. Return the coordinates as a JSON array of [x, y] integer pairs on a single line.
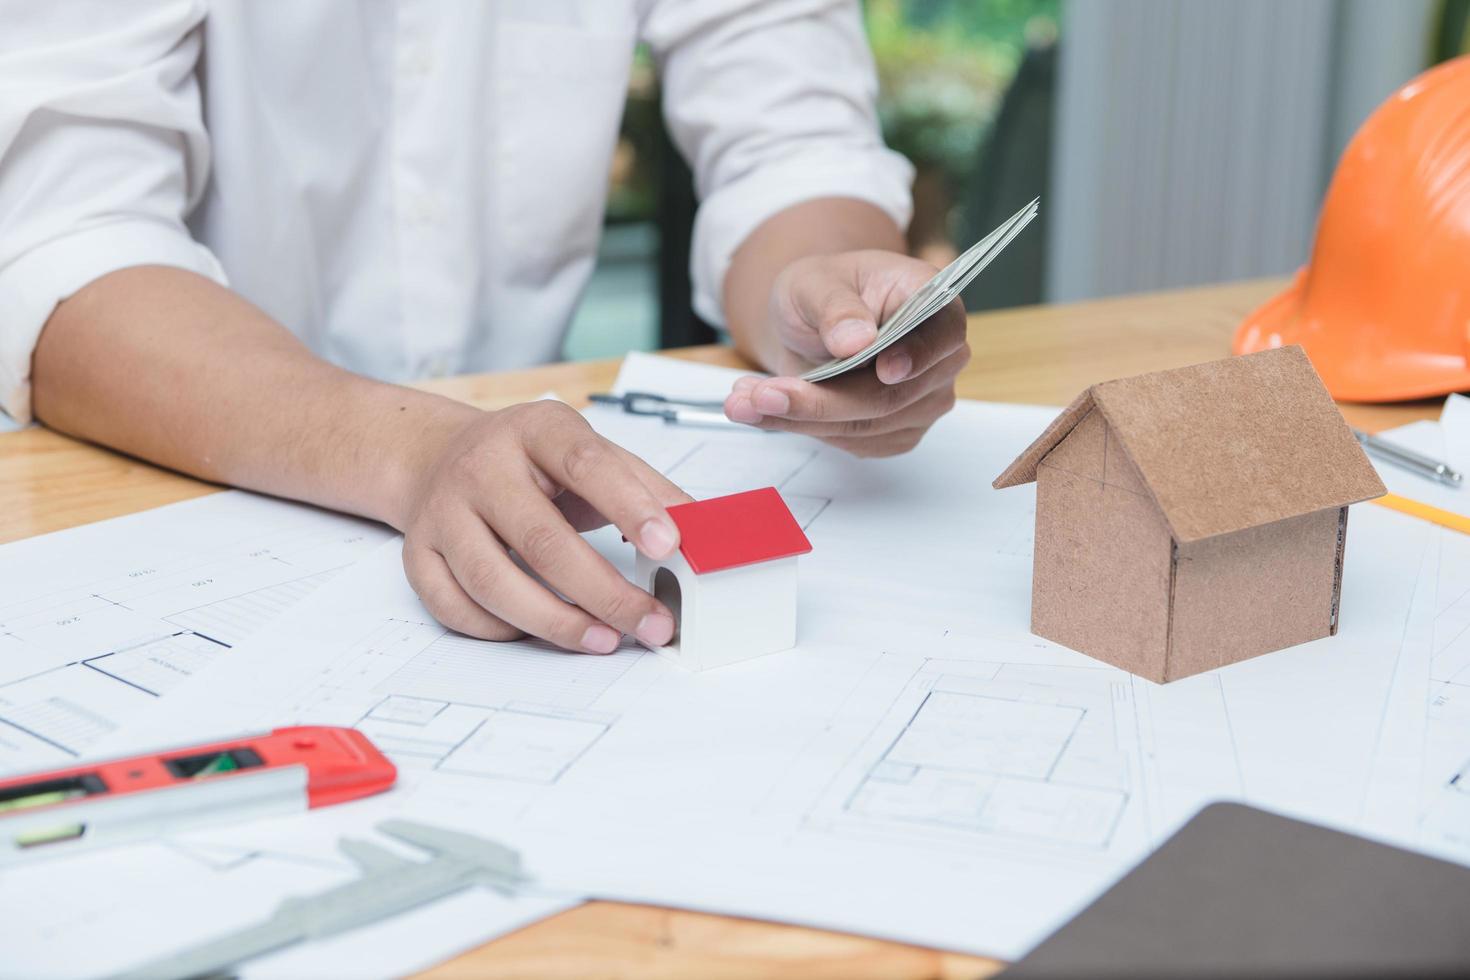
[[1425, 512]]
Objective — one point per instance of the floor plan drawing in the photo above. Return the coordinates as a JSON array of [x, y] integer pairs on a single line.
[[435, 700], [230, 621], [158, 666], [413, 659], [1441, 628], [83, 650], [996, 754], [525, 744], [1445, 795]]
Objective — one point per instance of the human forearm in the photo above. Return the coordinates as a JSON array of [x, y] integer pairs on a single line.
[[173, 368], [826, 226]]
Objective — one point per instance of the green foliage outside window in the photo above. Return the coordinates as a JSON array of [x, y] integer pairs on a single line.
[[943, 66]]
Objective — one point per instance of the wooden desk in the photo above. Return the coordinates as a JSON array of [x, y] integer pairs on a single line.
[[1040, 355]]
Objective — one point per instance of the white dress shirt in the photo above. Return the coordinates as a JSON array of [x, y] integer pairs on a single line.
[[414, 188]]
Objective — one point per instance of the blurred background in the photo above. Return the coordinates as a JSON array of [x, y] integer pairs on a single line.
[[1174, 142]]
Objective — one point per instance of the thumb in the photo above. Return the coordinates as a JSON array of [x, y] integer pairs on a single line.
[[847, 328], [831, 308]]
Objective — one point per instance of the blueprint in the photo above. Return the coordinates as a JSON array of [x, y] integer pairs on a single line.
[[919, 767], [99, 622], [1441, 628], [100, 625], [1444, 799]]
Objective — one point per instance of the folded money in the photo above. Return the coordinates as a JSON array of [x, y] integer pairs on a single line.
[[933, 296]]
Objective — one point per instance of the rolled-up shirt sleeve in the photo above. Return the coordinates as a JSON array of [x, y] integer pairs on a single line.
[[773, 104], [102, 153]]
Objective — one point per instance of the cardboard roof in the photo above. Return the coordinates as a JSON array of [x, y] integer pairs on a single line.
[[741, 529], [1225, 445]]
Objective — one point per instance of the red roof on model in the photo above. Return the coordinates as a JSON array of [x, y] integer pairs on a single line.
[[741, 529]]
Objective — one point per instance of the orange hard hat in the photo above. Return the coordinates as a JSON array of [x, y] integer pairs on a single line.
[[1383, 307]]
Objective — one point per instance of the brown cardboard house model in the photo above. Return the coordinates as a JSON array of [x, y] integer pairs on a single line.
[[1192, 518]]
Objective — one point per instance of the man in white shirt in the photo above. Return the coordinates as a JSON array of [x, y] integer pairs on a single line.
[[228, 228]]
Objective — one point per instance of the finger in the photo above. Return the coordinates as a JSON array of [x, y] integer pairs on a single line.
[[853, 396], [940, 336], [666, 491], [582, 516], [889, 444], [531, 525], [921, 414], [447, 601], [487, 575], [827, 301], [572, 455]]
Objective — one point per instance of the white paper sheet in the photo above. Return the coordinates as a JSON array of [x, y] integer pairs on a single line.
[[99, 622], [920, 767], [99, 913], [99, 625], [1441, 624]]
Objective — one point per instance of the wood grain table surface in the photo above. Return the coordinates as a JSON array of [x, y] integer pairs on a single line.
[[1038, 355]]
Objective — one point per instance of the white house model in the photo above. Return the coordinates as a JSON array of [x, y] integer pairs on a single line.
[[731, 584]]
